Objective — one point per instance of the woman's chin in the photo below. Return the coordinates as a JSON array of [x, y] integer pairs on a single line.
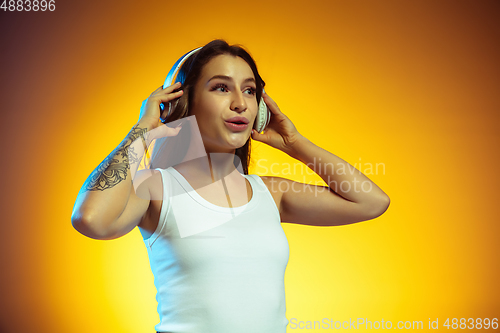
[[238, 146], [239, 142], [227, 143]]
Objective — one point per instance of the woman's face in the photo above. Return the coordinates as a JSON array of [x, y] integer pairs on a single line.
[[226, 89]]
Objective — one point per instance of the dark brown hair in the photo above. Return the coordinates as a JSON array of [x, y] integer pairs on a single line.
[[190, 72]]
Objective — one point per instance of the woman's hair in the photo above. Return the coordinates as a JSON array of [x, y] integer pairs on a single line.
[[189, 74]]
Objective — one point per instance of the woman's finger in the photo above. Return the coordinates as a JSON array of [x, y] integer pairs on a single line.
[[165, 98], [172, 87], [271, 104], [174, 94]]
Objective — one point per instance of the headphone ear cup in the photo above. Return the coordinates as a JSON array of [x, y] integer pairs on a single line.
[[263, 117]]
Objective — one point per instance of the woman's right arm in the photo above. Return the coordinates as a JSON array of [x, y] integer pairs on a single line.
[[110, 203]]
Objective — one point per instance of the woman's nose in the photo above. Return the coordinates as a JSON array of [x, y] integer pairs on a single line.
[[238, 103]]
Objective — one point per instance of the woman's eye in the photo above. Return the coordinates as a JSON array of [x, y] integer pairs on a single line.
[[220, 86], [223, 88]]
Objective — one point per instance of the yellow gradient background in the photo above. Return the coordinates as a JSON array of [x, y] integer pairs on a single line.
[[410, 85]]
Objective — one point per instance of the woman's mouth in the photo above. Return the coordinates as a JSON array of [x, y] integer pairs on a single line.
[[236, 125]]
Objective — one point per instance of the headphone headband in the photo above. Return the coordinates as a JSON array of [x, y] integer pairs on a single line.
[[172, 75]]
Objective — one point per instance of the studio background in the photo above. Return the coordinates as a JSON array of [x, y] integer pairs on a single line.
[[410, 85]]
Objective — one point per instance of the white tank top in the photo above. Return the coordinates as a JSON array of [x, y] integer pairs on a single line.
[[218, 269]]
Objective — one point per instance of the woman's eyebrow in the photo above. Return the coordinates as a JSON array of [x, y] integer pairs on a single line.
[[225, 77]]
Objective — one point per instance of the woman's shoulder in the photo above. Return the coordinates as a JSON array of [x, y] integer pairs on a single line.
[[273, 185], [271, 182]]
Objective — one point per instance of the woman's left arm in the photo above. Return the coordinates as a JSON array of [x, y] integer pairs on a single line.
[[349, 197]]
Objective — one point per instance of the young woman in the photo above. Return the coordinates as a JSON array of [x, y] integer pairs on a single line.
[[214, 237]]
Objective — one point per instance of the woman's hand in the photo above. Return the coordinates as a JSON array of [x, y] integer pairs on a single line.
[[281, 132], [151, 112]]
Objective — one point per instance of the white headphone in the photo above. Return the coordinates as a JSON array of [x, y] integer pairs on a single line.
[[263, 114]]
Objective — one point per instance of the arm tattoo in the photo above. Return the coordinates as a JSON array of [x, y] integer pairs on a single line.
[[114, 168]]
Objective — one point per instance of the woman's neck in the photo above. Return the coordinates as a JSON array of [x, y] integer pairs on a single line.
[[214, 166]]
